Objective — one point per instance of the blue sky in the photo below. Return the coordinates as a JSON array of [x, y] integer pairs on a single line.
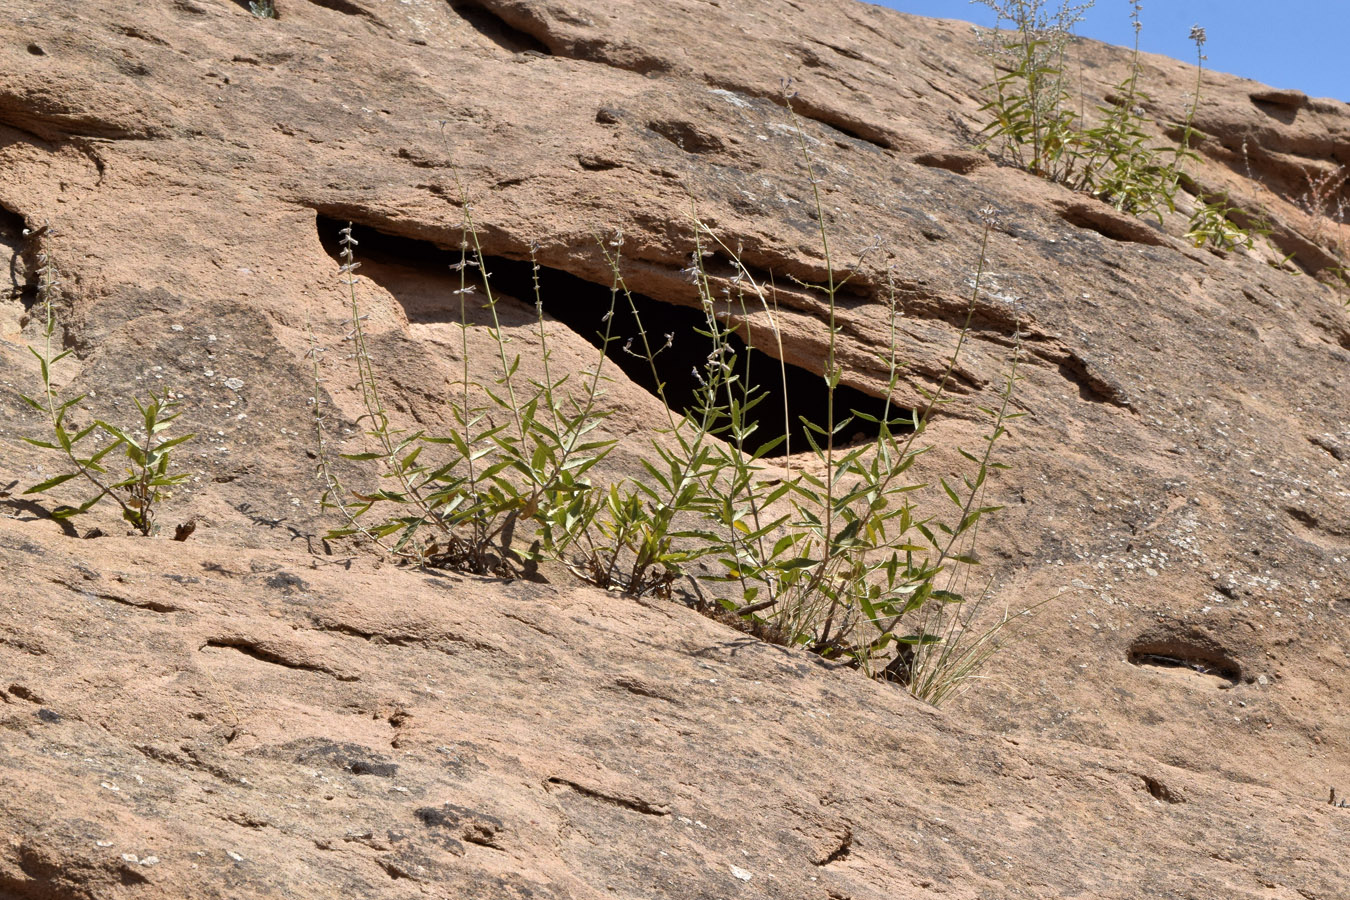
[[1299, 44]]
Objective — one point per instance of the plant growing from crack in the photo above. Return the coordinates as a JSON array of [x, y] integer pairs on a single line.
[[1032, 120], [1034, 127], [848, 566], [148, 451], [518, 452], [832, 555]]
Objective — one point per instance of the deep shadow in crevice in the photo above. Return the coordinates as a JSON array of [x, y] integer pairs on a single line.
[[1185, 650], [1160, 791], [496, 29], [347, 8], [846, 125], [22, 283], [1279, 112], [413, 270]]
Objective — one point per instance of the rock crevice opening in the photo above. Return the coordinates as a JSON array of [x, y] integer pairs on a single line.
[[419, 276]]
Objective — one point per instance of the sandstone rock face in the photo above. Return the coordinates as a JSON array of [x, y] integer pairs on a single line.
[[252, 714]]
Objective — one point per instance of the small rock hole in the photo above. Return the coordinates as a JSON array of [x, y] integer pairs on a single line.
[[36, 50], [1160, 791], [1101, 218], [962, 162], [1193, 651]]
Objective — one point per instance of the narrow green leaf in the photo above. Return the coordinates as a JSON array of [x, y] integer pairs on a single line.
[[51, 483], [951, 494]]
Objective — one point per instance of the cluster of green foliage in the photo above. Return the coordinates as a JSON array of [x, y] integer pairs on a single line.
[[1033, 123], [518, 451], [1213, 224], [147, 478], [832, 555]]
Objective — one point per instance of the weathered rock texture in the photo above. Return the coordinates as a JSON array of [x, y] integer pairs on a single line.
[[235, 717]]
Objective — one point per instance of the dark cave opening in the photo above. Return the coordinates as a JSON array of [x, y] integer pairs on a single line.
[[582, 305]]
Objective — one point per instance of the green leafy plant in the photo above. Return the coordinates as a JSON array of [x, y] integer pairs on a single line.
[[1211, 224], [1035, 128], [1036, 136], [829, 552], [263, 9], [1117, 162], [625, 536], [847, 564], [518, 452], [831, 555], [1033, 121], [148, 451]]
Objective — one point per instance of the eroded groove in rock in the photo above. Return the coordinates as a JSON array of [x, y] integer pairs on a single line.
[[496, 29], [688, 136], [962, 162], [849, 126], [516, 21], [840, 852], [518, 28], [347, 7], [634, 686], [1310, 526], [1108, 223], [1279, 99], [1185, 650], [375, 637], [1331, 446], [264, 653], [636, 804], [400, 637], [858, 129], [1160, 791], [1091, 386], [51, 119], [147, 604], [412, 270], [24, 643]]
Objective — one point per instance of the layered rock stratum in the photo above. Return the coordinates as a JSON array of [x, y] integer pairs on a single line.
[[251, 714]]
